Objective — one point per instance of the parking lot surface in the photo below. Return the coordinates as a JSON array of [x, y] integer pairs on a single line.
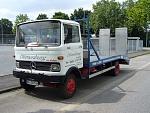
[[7, 62]]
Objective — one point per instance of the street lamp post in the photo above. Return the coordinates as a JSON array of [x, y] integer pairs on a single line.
[[146, 37], [84, 24], [147, 30], [2, 30]]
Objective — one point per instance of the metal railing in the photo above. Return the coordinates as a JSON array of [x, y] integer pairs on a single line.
[[7, 39], [133, 45]]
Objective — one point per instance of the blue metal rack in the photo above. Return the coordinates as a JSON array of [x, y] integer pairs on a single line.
[[90, 44], [99, 61]]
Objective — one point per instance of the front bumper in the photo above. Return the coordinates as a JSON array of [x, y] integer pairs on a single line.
[[39, 77]]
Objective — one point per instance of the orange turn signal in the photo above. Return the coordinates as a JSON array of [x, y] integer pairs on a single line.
[[60, 57], [13, 56]]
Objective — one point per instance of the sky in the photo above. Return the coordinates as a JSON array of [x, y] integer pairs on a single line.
[[9, 9]]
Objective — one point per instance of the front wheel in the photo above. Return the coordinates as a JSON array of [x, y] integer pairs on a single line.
[[25, 85], [68, 89]]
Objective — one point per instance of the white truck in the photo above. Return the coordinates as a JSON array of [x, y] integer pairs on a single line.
[[50, 53]]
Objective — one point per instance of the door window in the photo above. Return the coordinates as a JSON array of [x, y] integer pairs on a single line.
[[71, 34]]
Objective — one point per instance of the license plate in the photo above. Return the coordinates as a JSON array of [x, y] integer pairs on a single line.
[[32, 82]]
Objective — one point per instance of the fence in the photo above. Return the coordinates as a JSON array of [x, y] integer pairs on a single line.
[[134, 45], [7, 39]]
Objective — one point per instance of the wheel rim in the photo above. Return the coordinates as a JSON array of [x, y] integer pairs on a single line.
[[117, 68], [71, 86]]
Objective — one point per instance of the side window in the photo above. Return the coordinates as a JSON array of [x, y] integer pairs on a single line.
[[71, 34], [75, 34]]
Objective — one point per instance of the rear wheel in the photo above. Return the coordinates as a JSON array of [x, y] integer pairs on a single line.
[[68, 89], [25, 85], [116, 70]]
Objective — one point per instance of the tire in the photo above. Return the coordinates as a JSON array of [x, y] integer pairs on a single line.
[[25, 85], [116, 70], [68, 89]]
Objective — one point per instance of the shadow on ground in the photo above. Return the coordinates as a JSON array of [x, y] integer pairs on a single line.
[[86, 87]]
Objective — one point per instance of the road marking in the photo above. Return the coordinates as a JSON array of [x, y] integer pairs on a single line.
[[93, 94], [144, 66]]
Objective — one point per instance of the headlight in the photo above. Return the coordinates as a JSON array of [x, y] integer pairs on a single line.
[[17, 64], [55, 67]]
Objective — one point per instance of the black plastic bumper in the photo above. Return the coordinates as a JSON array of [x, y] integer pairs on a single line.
[[39, 77]]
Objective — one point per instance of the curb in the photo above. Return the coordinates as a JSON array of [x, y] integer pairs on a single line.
[[10, 89], [144, 53], [8, 83], [5, 75]]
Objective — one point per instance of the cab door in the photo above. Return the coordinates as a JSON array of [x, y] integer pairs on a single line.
[[73, 46]]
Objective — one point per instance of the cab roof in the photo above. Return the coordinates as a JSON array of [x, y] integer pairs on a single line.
[[60, 20]]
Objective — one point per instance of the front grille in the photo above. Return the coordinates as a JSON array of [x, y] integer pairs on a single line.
[[41, 66]]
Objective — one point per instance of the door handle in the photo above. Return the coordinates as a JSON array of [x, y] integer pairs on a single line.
[[80, 46], [68, 47]]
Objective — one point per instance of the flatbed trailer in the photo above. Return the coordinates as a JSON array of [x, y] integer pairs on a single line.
[[52, 53], [93, 60]]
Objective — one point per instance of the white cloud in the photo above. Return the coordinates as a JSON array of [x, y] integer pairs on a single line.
[[6, 13], [11, 8]]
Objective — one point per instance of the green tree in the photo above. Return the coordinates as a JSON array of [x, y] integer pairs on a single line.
[[127, 5], [19, 19], [60, 15], [42, 16], [79, 14], [6, 25], [106, 14], [138, 16]]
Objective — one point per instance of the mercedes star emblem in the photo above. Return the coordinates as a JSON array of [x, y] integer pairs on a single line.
[[33, 65]]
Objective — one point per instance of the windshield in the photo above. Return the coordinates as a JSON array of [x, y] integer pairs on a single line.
[[39, 33]]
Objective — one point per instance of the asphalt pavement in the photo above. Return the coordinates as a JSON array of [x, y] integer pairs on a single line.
[[8, 82], [127, 93], [7, 62]]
